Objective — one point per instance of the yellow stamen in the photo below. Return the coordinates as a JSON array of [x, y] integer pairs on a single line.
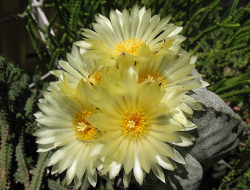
[[95, 78], [83, 129], [152, 77], [134, 123], [129, 46]]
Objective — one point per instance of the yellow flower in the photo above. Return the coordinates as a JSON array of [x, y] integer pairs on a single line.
[[138, 130], [129, 37], [172, 73], [127, 115], [75, 69], [63, 125]]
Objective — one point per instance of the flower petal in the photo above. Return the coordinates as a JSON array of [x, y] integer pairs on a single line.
[[129, 159], [123, 150], [111, 146], [92, 179], [126, 179], [165, 137], [59, 154], [138, 172], [183, 139], [158, 171], [166, 128], [143, 158], [161, 147]]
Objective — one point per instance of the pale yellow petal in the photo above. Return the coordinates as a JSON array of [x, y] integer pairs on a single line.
[[123, 150], [183, 139], [115, 169], [71, 172], [161, 147], [126, 179], [160, 26], [110, 135], [178, 158], [138, 172], [83, 164], [166, 128], [129, 159], [134, 21], [143, 24], [54, 111], [92, 179], [69, 158], [153, 22], [111, 146], [164, 162], [158, 171], [151, 152], [143, 158], [125, 24], [115, 21], [165, 137], [59, 154]]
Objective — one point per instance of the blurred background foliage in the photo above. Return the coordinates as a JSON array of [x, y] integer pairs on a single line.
[[220, 38]]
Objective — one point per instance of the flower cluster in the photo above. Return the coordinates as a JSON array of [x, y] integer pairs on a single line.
[[121, 101]]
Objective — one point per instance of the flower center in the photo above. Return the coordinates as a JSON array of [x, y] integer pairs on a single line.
[[129, 46], [134, 123], [95, 78], [83, 129], [152, 77]]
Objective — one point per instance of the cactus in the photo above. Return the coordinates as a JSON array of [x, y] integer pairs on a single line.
[[5, 154], [22, 167], [53, 185], [221, 41], [38, 174]]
